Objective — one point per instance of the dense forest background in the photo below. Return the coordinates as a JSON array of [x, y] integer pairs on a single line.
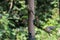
[[14, 19]]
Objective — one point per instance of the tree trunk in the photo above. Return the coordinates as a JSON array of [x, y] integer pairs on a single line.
[[31, 32]]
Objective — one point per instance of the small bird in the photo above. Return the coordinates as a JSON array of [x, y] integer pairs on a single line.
[[49, 29]]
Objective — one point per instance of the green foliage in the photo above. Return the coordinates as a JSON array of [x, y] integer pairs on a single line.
[[46, 10]]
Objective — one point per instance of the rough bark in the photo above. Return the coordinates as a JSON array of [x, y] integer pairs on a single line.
[[31, 32]]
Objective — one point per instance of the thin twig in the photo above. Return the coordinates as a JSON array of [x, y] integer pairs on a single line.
[[11, 6]]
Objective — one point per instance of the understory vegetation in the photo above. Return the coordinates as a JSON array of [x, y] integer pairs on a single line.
[[14, 20]]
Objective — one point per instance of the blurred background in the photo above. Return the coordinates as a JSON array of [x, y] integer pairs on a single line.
[[14, 20]]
